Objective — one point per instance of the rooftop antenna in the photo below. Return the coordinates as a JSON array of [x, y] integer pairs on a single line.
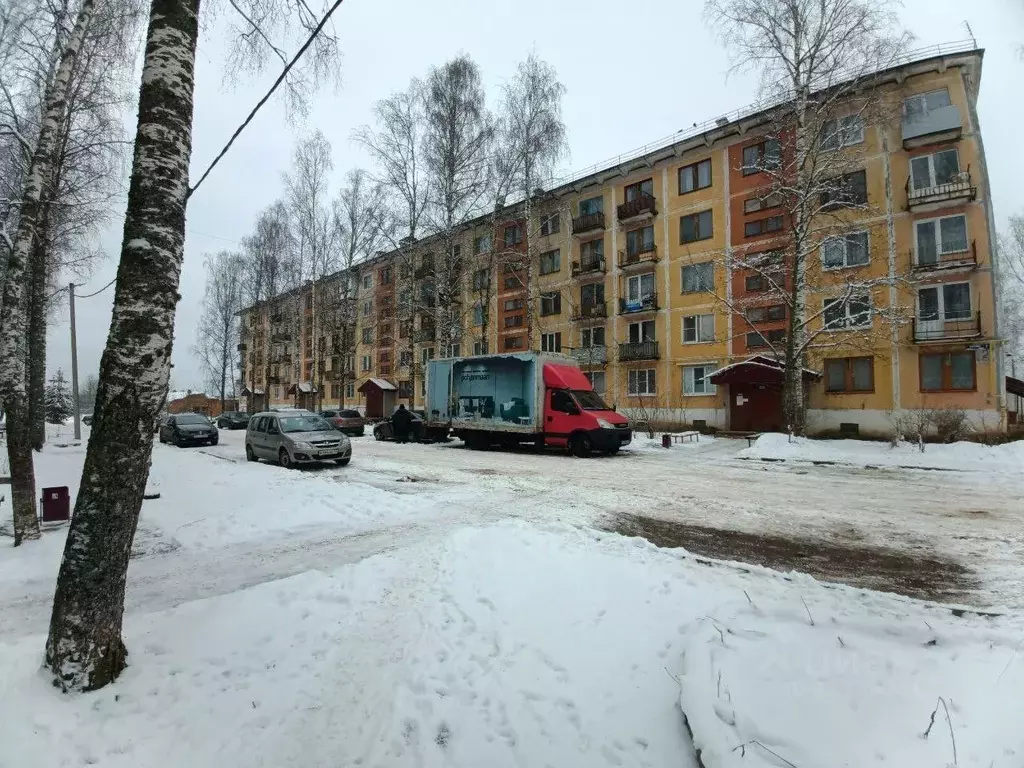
[[970, 32]]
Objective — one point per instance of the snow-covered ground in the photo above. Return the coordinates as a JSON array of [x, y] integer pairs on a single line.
[[429, 605], [964, 457]]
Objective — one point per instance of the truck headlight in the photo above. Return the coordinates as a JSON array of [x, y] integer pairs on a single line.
[[605, 424]]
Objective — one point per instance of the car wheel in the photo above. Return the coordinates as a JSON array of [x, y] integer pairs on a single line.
[[250, 455], [343, 462], [581, 446], [214, 441], [285, 459], [179, 441], [160, 437], [378, 434]]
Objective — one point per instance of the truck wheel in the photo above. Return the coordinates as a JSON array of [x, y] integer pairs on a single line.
[[580, 445]]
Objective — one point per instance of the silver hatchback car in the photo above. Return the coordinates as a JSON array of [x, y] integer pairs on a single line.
[[295, 437]]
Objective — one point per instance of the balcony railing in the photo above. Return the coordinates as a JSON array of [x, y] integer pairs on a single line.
[[590, 311], [641, 205], [945, 329], [638, 350], [957, 190], [646, 254], [968, 258], [648, 303], [590, 355], [424, 334], [588, 222], [281, 338], [588, 265]]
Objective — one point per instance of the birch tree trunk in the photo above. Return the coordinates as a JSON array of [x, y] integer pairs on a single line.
[[12, 345], [84, 650], [36, 336]]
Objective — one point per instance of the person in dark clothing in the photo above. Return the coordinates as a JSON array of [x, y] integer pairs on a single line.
[[401, 422]]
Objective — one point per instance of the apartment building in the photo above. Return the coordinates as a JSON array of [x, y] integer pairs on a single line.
[[641, 271]]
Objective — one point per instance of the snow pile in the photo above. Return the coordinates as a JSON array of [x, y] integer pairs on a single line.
[[642, 443], [956, 456], [512, 645]]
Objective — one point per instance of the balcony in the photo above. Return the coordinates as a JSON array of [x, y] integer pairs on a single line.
[[588, 266], [281, 338], [648, 303], [281, 360], [932, 127], [946, 329], [641, 206], [957, 190], [638, 350], [646, 254], [594, 311], [588, 222], [590, 355], [424, 335], [968, 258]]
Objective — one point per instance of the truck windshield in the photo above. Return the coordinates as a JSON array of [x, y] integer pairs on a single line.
[[589, 400]]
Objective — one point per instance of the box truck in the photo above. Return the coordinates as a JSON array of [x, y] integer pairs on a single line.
[[529, 397]]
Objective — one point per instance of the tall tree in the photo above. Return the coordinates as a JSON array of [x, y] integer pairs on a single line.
[[59, 407], [217, 331], [1010, 281], [84, 649], [818, 60]]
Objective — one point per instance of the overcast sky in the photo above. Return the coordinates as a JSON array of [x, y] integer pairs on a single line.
[[634, 72]]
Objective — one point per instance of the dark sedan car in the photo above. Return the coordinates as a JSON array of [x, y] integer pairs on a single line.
[[233, 420], [418, 431], [188, 429]]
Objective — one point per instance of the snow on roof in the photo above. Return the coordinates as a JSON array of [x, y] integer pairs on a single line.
[[382, 384]]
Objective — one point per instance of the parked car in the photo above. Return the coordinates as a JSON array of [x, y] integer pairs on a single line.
[[87, 420], [295, 437], [348, 421], [188, 429], [419, 432], [233, 420]]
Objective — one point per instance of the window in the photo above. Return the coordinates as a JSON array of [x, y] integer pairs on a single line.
[[592, 337], [772, 338], [405, 389], [551, 303], [350, 363], [367, 335], [550, 262], [551, 224], [512, 282], [948, 371], [946, 302], [755, 283], [551, 342], [385, 275], [841, 132], [513, 342], [350, 389], [640, 292], [368, 280], [641, 332], [917, 106], [482, 244], [481, 279], [770, 314], [762, 226], [698, 329], [514, 321], [698, 277], [367, 362], [513, 235], [597, 381], [404, 270], [591, 206], [367, 308], [273, 428], [641, 382], [935, 169], [405, 299], [852, 313], [850, 374], [513, 304], [698, 226], [405, 358], [384, 356], [640, 241], [845, 251], [694, 177], [423, 387], [455, 350], [940, 237], [427, 353], [641, 188], [844, 191], [480, 347], [592, 294], [562, 402], [754, 204], [762, 157], [592, 251], [478, 314], [695, 380]]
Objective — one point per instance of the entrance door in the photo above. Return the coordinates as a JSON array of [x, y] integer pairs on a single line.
[[755, 408]]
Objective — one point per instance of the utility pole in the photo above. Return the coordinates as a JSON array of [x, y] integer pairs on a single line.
[[74, 364]]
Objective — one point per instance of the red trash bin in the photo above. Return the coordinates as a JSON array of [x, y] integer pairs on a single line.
[[56, 504]]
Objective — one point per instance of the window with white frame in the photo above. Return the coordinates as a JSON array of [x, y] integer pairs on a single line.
[[698, 277], [695, 379], [917, 106], [551, 342], [951, 301], [368, 280], [427, 353], [367, 335], [850, 250], [480, 347], [641, 332], [597, 380], [478, 314], [592, 337], [842, 132], [350, 389], [848, 313], [641, 382], [934, 169], [698, 329], [367, 362], [936, 238]]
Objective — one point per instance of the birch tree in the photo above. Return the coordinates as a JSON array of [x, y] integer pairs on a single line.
[[1010, 281], [85, 650], [217, 331], [818, 60]]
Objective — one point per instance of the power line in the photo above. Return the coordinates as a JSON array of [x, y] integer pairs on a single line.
[[266, 97], [101, 290]]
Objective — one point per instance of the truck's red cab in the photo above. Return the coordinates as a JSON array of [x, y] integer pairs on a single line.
[[576, 417]]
